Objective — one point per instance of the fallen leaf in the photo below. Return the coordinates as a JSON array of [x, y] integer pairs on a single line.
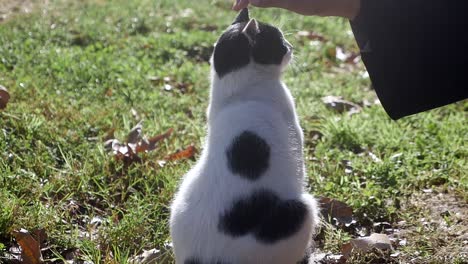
[[151, 143], [182, 154], [346, 57], [4, 97], [30, 248], [135, 134], [365, 244], [334, 209], [41, 236], [136, 143], [338, 104], [346, 249], [112, 145]]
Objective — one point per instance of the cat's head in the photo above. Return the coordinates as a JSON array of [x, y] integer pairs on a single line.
[[248, 41]]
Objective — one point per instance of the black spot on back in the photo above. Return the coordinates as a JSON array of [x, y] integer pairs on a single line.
[[197, 261], [192, 261], [283, 221], [248, 155], [270, 46], [264, 215], [247, 214]]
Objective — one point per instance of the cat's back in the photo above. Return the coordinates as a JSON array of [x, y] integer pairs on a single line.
[[249, 156], [249, 146]]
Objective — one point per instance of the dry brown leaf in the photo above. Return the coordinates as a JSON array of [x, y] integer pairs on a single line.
[[365, 244], [151, 143], [41, 236], [31, 251], [335, 209], [4, 97], [136, 143], [347, 249], [338, 104], [135, 134], [182, 154]]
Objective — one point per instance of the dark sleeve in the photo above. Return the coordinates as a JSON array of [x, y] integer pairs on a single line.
[[416, 52]]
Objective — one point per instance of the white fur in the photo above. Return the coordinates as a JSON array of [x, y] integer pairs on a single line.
[[252, 98]]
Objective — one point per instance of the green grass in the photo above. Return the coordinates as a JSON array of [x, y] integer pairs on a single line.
[[76, 69]]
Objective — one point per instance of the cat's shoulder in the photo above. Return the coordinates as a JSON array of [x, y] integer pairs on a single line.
[[244, 112]]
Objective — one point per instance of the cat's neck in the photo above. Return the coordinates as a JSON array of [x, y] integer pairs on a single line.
[[251, 83], [250, 75]]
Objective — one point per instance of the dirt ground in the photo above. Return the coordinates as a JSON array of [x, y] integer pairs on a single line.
[[441, 225], [9, 7]]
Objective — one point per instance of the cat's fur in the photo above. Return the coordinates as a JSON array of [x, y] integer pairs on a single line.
[[244, 201]]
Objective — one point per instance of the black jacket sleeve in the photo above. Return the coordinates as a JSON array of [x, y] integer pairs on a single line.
[[416, 52]]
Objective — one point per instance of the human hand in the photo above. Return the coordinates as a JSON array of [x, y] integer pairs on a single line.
[[239, 4], [342, 8]]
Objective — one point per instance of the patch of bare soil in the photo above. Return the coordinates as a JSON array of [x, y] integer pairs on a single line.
[[11, 7], [438, 231]]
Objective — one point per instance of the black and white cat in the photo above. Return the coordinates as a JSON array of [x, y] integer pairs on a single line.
[[244, 200]]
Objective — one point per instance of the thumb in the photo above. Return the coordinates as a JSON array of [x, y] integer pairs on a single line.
[[263, 3], [239, 4]]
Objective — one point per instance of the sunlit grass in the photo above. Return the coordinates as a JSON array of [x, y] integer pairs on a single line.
[[76, 69]]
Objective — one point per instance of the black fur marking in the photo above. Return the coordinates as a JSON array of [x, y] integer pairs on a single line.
[[265, 216], [197, 261], [248, 213], [284, 220], [248, 155], [192, 261], [305, 259], [232, 51], [270, 46]]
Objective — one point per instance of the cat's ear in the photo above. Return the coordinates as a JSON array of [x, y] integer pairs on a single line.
[[251, 30], [243, 16]]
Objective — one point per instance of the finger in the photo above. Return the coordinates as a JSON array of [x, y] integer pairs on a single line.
[[239, 4], [263, 3]]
